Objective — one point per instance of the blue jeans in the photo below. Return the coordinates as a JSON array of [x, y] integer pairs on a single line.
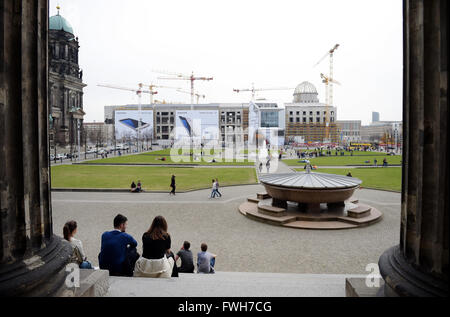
[[86, 265], [214, 193]]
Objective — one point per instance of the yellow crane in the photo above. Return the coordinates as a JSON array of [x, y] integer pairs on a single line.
[[328, 101]]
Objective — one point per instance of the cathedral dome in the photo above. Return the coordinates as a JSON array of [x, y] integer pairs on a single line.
[[57, 22], [305, 93]]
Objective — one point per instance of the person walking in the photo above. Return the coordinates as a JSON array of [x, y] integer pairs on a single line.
[[217, 187], [214, 189], [268, 166], [156, 244], [375, 162], [260, 167], [172, 184]]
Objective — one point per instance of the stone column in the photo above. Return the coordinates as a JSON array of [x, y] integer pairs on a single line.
[[419, 265], [32, 259]]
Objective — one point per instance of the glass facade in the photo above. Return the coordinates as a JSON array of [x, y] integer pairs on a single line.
[[269, 119]]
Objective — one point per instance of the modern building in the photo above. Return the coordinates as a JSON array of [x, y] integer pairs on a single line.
[[350, 130], [304, 119], [375, 117], [383, 132], [65, 86]]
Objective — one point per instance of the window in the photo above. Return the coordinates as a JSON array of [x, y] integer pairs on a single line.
[[291, 119], [298, 119], [318, 113], [318, 120], [311, 119], [304, 113], [304, 119]]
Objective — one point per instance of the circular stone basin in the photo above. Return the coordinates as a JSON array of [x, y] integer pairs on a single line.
[[310, 187]]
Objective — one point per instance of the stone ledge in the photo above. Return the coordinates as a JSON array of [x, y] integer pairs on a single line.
[[356, 287], [93, 283]]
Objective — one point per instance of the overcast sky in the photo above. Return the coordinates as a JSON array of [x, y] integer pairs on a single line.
[[238, 42]]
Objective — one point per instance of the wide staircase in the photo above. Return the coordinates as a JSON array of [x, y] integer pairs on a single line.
[[98, 283]]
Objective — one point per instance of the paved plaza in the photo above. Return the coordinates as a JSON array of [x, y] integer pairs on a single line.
[[242, 245]]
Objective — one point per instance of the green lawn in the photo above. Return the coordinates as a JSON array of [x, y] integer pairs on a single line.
[[380, 178], [152, 177], [181, 157], [347, 160]]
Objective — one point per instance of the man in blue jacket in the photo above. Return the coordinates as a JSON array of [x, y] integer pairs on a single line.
[[118, 251]]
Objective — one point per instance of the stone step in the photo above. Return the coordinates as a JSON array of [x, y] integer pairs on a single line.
[[232, 284], [253, 200], [359, 212], [93, 283], [262, 196], [319, 225], [267, 209]]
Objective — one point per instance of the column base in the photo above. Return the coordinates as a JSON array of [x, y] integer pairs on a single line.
[[402, 279], [40, 275]]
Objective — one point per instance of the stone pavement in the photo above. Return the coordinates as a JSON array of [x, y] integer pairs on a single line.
[[242, 245]]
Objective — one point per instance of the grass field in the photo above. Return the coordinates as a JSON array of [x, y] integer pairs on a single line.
[[347, 160], [379, 178], [181, 157], [152, 177]]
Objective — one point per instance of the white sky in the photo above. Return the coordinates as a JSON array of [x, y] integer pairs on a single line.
[[270, 43]]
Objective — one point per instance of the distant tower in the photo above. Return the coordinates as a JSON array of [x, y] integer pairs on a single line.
[[375, 116], [65, 83]]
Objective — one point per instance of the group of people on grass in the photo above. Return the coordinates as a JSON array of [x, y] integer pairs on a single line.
[[118, 253], [136, 188]]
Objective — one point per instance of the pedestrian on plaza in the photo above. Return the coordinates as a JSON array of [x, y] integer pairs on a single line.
[[78, 256], [375, 162], [118, 252], [217, 187], [205, 260], [214, 189], [133, 188], [260, 167], [268, 166], [139, 187], [385, 164], [156, 244], [172, 184], [187, 259]]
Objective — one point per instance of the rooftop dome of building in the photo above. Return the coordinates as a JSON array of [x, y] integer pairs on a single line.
[[59, 23], [305, 88], [305, 93]]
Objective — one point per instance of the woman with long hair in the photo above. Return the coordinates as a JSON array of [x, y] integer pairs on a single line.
[[156, 244], [78, 256]]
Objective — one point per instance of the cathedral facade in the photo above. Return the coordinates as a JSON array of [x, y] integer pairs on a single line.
[[65, 87]]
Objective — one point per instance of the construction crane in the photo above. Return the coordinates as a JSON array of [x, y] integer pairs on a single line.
[[254, 90], [328, 101], [179, 76], [153, 92], [328, 84], [196, 94], [330, 53], [139, 93]]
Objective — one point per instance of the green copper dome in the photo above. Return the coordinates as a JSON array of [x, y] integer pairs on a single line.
[[58, 23]]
